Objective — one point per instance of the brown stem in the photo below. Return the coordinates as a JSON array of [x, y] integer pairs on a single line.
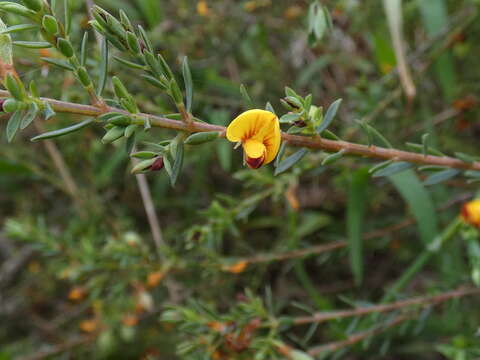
[[293, 140], [423, 301], [355, 338]]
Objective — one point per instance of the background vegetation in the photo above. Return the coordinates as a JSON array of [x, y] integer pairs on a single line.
[[245, 259]]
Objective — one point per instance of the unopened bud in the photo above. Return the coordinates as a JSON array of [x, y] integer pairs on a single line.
[[157, 165], [10, 105], [50, 24], [65, 47]]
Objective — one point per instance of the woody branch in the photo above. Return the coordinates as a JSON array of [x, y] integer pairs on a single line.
[[293, 140]]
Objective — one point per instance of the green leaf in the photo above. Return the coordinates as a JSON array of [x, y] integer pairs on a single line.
[[18, 28], [425, 141], [48, 111], [64, 131], [103, 67], [246, 98], [330, 159], [83, 49], [202, 137], [465, 157], [13, 124], [419, 203], [129, 63], [287, 163], [280, 154], [441, 176], [290, 118], [62, 64], [177, 165], [380, 166], [329, 116], [29, 116], [357, 199], [187, 78], [393, 169], [33, 44], [144, 155]]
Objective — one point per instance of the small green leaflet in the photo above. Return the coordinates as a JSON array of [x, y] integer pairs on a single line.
[[287, 163]]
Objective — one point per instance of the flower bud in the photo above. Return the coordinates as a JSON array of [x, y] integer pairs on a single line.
[[471, 213], [157, 164], [10, 105], [14, 87], [65, 47], [113, 134], [50, 24], [83, 76]]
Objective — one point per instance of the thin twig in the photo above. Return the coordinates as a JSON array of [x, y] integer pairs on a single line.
[[423, 301], [57, 349], [355, 338], [293, 140]]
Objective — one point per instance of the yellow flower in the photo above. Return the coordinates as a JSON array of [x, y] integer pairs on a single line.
[[259, 133], [202, 8], [471, 212]]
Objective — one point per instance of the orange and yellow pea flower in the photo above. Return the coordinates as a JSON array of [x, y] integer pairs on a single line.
[[259, 133], [471, 212]]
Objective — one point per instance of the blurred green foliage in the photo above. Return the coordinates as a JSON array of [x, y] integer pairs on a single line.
[[90, 282]]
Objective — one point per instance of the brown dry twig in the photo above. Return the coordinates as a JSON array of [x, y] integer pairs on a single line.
[[421, 301]]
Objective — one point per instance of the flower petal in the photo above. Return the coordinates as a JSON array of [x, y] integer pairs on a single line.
[[249, 124], [272, 142], [254, 149]]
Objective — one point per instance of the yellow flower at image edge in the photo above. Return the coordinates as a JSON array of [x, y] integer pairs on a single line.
[[259, 133], [471, 212]]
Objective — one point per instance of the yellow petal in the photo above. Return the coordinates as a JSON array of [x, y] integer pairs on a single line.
[[253, 148], [249, 124], [272, 142]]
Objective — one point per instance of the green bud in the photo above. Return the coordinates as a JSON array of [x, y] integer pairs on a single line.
[[65, 47], [15, 87], [142, 166], [120, 90], [202, 137], [113, 134], [50, 24], [83, 76], [16, 9], [129, 130], [35, 5], [11, 105], [132, 42]]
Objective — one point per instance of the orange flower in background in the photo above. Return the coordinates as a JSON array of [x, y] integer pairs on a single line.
[[471, 212], [259, 133], [202, 8], [77, 293]]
